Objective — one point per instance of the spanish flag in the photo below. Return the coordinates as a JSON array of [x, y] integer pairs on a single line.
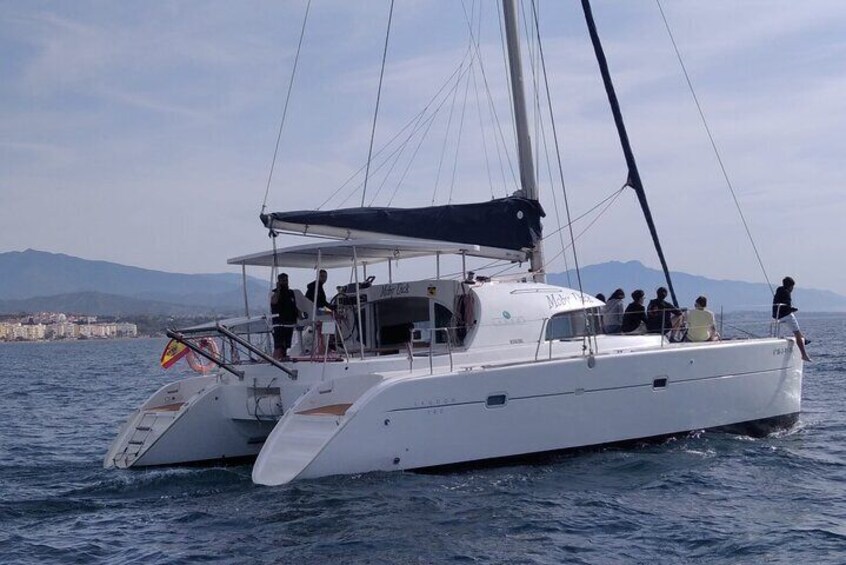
[[173, 352]]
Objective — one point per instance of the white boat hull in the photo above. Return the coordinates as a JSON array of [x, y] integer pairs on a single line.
[[201, 420], [418, 421]]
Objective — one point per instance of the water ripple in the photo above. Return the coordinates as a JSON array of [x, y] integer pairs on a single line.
[[705, 497]]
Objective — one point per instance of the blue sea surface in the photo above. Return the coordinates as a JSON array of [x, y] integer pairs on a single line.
[[703, 497]]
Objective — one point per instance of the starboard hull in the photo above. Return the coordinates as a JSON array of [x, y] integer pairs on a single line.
[[423, 421]]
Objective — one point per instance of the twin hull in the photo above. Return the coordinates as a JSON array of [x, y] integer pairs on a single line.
[[408, 421], [213, 418]]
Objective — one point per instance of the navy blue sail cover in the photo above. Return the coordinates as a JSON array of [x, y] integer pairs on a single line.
[[507, 223]]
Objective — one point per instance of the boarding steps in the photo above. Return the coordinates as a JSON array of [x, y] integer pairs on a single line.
[[142, 431]]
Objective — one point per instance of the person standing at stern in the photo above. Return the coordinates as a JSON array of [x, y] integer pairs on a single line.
[[283, 306], [783, 312]]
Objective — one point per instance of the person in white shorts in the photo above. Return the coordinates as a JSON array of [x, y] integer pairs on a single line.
[[783, 312]]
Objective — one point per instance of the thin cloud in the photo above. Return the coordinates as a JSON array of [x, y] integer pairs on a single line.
[[161, 120]]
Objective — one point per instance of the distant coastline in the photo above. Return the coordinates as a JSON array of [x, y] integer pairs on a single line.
[[58, 326]]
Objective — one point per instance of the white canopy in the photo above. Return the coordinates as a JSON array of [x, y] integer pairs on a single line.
[[240, 325], [333, 254]]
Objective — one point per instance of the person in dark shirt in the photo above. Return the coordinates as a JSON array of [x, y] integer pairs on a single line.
[[783, 312], [661, 316], [321, 294], [283, 306], [635, 314]]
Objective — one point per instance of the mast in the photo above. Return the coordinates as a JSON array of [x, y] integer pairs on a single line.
[[633, 179], [524, 144]]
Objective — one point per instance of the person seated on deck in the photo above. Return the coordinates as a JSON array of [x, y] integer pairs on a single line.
[[700, 322], [612, 313], [661, 316], [634, 318], [598, 318]]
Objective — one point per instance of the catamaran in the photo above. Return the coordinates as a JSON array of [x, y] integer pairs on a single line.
[[437, 372]]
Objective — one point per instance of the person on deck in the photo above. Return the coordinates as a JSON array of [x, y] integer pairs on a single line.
[[321, 302], [783, 312], [634, 318], [599, 317], [283, 306], [700, 322], [612, 314], [661, 316]]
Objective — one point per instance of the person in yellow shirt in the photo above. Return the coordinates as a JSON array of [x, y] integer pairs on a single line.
[[700, 322]]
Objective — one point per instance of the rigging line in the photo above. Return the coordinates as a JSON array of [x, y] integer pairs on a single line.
[[482, 132], [491, 103], [506, 269], [417, 149], [507, 74], [539, 113], [394, 153], [541, 133], [458, 140], [427, 122], [411, 160], [446, 138], [750, 334], [378, 99], [596, 219], [714, 144], [479, 111], [464, 104], [285, 108], [431, 120], [414, 120], [560, 229], [495, 264], [611, 196], [397, 153], [557, 146], [396, 161], [496, 140], [535, 94]]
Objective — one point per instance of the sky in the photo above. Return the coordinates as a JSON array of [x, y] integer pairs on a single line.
[[143, 133]]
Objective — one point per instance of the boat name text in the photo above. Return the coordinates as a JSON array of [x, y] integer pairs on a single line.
[[390, 290], [560, 299]]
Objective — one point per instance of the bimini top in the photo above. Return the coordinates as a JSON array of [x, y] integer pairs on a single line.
[[241, 326], [504, 223], [331, 254]]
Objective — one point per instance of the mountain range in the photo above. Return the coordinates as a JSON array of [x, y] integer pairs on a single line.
[[37, 281]]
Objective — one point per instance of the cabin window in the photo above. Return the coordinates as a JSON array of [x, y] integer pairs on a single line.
[[570, 325], [396, 317]]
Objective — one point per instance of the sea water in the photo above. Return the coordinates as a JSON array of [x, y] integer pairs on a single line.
[[702, 497]]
